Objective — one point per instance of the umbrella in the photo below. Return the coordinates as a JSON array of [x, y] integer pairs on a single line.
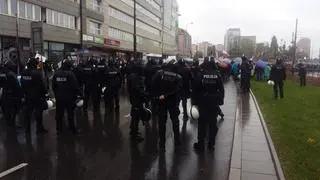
[[238, 59], [261, 64], [223, 64]]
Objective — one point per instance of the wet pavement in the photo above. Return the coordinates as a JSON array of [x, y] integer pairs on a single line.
[[103, 150]]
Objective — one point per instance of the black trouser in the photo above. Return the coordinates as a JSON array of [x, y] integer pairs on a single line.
[[173, 107], [245, 82], [302, 81], [90, 91], [278, 85], [111, 98], [9, 108], [61, 106], [36, 106], [135, 119], [207, 119]]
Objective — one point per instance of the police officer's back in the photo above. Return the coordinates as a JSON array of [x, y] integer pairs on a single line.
[[166, 85], [11, 93], [245, 74], [112, 82], [66, 91], [138, 96], [90, 84], [207, 93], [278, 75], [34, 91]]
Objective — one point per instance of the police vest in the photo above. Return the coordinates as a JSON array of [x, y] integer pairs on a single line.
[[169, 77], [209, 81], [3, 79]]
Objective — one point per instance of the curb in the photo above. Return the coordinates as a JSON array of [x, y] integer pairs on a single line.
[[235, 161], [272, 149]]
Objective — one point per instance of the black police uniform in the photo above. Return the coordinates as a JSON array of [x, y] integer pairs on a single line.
[[167, 83], [11, 93], [138, 96], [101, 68], [207, 91], [112, 82], [150, 71], [90, 85], [186, 75], [66, 91], [35, 91], [245, 74], [302, 75], [278, 75]]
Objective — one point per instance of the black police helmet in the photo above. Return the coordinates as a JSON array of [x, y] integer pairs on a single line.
[[67, 65], [33, 62]]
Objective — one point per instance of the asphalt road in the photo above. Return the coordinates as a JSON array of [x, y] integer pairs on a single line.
[[103, 150]]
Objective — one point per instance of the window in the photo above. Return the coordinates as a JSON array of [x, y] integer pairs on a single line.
[[95, 28], [148, 28], [143, 10], [60, 19], [95, 5], [121, 35], [13, 7], [3, 6], [29, 11]]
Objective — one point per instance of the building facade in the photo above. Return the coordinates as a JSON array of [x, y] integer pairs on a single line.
[[304, 47], [107, 26], [203, 47], [248, 45], [232, 41], [184, 43]]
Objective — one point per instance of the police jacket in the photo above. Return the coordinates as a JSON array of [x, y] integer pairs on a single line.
[[3, 76], [245, 68], [136, 89], [101, 68], [11, 88], [278, 72], [112, 79], [90, 75], [186, 75], [166, 83], [149, 72], [33, 85], [65, 86], [208, 88]]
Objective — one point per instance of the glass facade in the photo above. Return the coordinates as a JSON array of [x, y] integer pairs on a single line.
[[143, 10], [29, 11], [55, 52]]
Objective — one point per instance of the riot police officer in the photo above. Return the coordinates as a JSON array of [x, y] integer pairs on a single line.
[[138, 96], [90, 84], [66, 91], [166, 86], [150, 71], [101, 68], [34, 91], [112, 84], [278, 75], [186, 75], [207, 91], [11, 93]]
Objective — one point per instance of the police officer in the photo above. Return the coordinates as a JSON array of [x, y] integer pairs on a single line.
[[186, 75], [90, 84], [195, 68], [245, 74], [34, 91], [101, 69], [166, 86], [150, 71], [66, 91], [302, 74], [207, 91], [112, 82], [11, 93], [278, 75], [138, 96]]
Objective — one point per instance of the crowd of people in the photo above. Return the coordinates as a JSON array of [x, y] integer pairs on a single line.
[[157, 85]]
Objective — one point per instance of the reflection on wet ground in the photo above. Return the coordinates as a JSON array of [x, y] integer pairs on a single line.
[[103, 149]]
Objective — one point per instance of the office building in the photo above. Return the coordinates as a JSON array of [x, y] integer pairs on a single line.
[[107, 26], [303, 47], [203, 47], [248, 45], [184, 45], [232, 41]]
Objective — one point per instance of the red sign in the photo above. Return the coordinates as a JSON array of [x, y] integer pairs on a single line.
[[111, 42]]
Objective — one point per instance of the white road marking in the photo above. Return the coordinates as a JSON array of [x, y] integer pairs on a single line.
[[11, 170]]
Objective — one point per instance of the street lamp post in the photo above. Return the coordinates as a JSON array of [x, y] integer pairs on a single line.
[[134, 30]]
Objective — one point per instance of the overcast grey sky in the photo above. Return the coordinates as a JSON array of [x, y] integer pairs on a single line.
[[262, 18]]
